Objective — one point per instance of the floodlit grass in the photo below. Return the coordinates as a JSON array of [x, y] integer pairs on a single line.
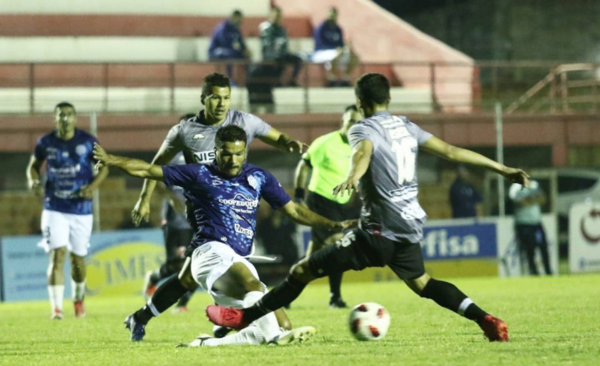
[[551, 321]]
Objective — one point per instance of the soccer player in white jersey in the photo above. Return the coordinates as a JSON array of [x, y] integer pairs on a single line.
[[225, 196], [195, 137], [67, 219], [384, 151]]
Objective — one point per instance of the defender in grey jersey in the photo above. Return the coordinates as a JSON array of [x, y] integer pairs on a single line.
[[195, 137], [384, 151]]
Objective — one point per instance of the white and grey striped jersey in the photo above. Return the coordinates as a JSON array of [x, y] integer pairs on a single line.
[[197, 140], [389, 187]]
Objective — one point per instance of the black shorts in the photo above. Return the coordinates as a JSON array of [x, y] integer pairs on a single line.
[[530, 236], [175, 239], [359, 250], [331, 210]]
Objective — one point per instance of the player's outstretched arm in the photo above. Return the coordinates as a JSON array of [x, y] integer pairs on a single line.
[[301, 180], [361, 158], [283, 142], [133, 167], [303, 216], [455, 154]]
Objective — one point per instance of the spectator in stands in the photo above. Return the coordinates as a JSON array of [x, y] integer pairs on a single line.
[[528, 223], [227, 42], [463, 195], [274, 44], [331, 51]]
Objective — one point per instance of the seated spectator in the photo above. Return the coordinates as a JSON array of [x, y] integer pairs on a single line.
[[274, 43], [463, 195], [227, 42], [331, 51]]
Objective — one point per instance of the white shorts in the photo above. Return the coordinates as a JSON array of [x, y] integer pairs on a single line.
[[209, 262], [326, 56], [66, 230]]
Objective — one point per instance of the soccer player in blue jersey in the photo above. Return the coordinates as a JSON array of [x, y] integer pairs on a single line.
[[67, 214], [384, 152], [225, 196], [195, 138]]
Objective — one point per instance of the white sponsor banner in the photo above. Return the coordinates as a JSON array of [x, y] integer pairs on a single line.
[[584, 237], [512, 261]]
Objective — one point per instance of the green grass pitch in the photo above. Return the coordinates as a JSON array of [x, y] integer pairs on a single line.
[[552, 321]]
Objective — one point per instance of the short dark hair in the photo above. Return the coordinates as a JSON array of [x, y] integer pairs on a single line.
[[230, 133], [372, 88], [212, 80], [65, 105], [237, 13], [351, 107]]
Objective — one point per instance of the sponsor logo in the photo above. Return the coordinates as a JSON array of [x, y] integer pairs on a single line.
[[239, 200], [589, 230], [460, 241], [81, 150], [66, 171], [253, 182], [204, 157], [249, 233], [198, 136]]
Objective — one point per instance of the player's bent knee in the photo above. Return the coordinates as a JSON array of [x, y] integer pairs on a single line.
[[187, 279], [301, 271]]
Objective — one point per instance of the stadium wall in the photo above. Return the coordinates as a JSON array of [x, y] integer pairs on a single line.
[[164, 7], [388, 38], [145, 132]]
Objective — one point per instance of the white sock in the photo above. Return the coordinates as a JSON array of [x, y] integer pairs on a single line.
[[268, 323], [249, 335], [56, 294], [77, 290]]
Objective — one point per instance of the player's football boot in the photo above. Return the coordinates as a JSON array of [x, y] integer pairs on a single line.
[[227, 317], [57, 314], [149, 288], [180, 310], [297, 335], [337, 303], [198, 342], [137, 329], [494, 329], [220, 332], [79, 309]]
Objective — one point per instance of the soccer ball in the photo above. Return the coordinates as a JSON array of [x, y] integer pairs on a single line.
[[369, 321]]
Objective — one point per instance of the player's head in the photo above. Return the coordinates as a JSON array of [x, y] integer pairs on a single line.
[[216, 96], [65, 117], [275, 15], [349, 118], [372, 91], [230, 150], [332, 15], [236, 18]]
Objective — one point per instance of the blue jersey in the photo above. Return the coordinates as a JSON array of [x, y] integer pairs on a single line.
[[226, 35], [328, 36], [225, 208], [69, 166]]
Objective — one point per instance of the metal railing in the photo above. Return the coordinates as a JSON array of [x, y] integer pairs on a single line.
[[528, 87]]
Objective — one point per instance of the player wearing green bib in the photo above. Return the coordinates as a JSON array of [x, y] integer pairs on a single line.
[[328, 162]]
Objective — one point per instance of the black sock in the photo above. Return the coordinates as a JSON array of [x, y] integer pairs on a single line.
[[166, 295], [449, 296], [279, 297], [335, 285], [185, 299]]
